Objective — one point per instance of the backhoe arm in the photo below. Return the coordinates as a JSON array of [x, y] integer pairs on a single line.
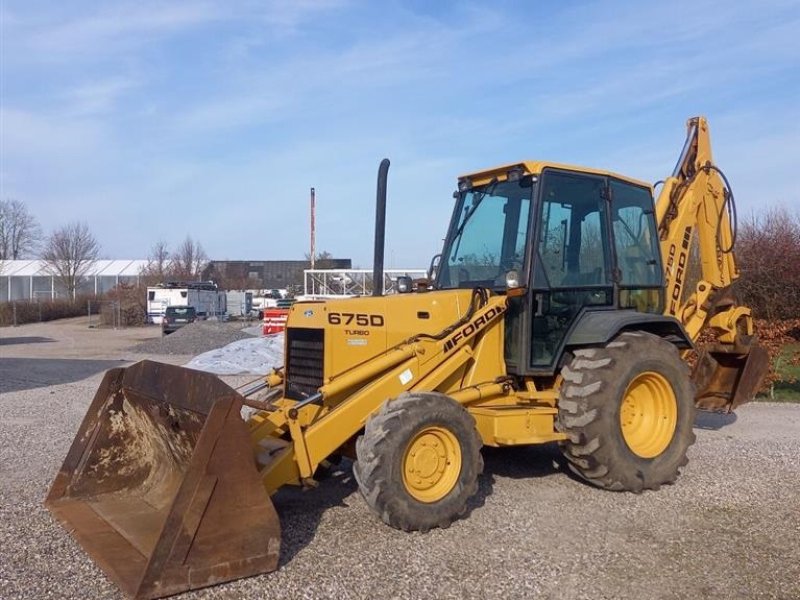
[[697, 201]]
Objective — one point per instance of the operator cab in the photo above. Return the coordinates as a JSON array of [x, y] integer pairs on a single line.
[[561, 241]]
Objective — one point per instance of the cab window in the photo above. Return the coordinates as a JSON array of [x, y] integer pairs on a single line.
[[636, 247], [489, 236], [572, 243]]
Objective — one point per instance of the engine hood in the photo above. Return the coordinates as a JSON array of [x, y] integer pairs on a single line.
[[355, 330]]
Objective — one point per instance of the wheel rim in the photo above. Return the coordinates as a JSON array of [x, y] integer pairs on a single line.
[[649, 414], [431, 464]]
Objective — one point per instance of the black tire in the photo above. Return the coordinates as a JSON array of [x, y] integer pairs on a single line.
[[381, 452], [591, 401]]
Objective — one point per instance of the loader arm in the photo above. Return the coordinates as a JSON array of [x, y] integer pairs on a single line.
[[296, 436], [695, 210]]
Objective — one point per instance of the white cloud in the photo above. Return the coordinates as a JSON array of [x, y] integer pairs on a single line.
[[126, 108], [29, 135], [119, 25], [97, 96], [291, 13], [90, 30]]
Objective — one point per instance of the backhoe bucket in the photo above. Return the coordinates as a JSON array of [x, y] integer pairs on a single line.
[[160, 486], [728, 376]]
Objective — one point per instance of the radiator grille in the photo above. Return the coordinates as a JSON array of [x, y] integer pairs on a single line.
[[304, 362]]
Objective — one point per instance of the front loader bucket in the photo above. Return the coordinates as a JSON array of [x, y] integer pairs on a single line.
[[727, 376], [160, 486]]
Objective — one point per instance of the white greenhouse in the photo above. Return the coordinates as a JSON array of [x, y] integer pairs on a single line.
[[30, 279]]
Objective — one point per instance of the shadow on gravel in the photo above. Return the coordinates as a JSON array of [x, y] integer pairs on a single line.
[[31, 339], [518, 462], [300, 511], [713, 421], [29, 373], [521, 462]]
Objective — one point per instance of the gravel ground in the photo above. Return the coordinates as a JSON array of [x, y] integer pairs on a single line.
[[728, 529], [195, 338]]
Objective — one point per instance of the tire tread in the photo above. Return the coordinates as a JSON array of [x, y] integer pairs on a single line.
[[585, 414]]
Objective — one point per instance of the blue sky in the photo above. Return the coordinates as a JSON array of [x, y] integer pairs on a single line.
[[154, 120]]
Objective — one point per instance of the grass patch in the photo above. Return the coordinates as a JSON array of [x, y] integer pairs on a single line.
[[787, 385]]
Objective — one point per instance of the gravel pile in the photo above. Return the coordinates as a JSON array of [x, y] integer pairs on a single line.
[[256, 356], [195, 338]]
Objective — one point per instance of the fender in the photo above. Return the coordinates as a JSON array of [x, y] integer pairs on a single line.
[[597, 327]]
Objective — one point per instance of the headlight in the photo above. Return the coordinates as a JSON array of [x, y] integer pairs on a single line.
[[512, 280]]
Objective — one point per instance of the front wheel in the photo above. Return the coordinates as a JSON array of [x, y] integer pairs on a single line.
[[628, 412], [419, 461]]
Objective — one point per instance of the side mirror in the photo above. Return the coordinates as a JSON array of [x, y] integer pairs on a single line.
[[434, 266], [404, 284]]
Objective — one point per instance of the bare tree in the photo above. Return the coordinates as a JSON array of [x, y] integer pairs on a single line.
[[233, 276], [768, 251], [323, 260], [19, 232], [69, 253], [158, 268], [189, 260]]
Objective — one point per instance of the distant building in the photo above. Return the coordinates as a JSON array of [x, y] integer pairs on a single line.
[[266, 274], [32, 280]]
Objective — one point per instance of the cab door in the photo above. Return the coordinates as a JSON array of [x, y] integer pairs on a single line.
[[572, 268]]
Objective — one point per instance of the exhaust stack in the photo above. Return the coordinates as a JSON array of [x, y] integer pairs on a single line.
[[380, 229]]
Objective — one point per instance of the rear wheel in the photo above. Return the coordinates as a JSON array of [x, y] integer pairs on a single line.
[[419, 461], [628, 411]]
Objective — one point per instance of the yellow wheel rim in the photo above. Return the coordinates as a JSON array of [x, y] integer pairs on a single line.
[[431, 464], [649, 414]]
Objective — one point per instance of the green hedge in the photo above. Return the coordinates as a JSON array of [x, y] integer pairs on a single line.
[[45, 310], [124, 306]]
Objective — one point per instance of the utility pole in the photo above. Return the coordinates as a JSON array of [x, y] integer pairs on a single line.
[[313, 227]]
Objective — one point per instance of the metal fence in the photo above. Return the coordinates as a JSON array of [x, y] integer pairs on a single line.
[[352, 282], [105, 312]]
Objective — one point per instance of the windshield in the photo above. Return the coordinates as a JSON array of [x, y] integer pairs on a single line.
[[489, 237]]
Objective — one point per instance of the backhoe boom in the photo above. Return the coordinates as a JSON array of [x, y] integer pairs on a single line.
[[696, 202]]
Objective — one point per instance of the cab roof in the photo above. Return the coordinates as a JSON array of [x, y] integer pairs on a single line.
[[535, 167]]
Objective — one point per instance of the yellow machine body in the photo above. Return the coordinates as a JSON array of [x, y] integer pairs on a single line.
[[365, 365], [160, 522]]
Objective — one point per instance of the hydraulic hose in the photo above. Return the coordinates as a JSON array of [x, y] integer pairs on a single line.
[[728, 203]]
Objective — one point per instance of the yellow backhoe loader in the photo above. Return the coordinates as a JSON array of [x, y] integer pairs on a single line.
[[561, 309]]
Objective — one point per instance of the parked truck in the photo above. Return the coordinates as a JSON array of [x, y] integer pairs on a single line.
[[239, 303], [207, 300]]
